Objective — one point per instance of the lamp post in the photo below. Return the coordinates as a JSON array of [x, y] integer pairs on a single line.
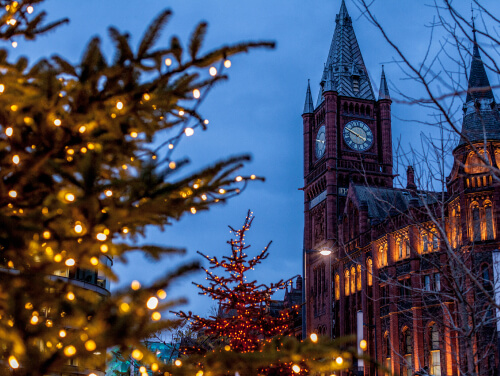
[[324, 252]]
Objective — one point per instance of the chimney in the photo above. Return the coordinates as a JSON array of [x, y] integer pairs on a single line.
[[410, 178]]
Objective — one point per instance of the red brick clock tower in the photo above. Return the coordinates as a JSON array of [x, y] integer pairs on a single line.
[[347, 137]]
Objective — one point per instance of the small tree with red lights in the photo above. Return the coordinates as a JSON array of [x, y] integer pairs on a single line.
[[243, 319]]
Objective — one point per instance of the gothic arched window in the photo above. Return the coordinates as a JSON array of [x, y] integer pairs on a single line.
[[353, 280], [435, 353], [346, 282], [358, 280], [369, 272], [488, 217], [476, 222], [408, 351], [337, 287]]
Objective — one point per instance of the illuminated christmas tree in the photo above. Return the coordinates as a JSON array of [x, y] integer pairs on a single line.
[[244, 319], [86, 163]]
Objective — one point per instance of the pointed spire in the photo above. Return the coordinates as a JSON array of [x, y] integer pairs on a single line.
[[383, 92], [481, 113], [345, 62], [329, 83], [308, 106]]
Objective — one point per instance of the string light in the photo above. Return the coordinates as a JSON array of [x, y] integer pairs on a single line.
[[119, 105], [363, 344], [70, 197], [108, 193], [70, 262], [2, 88], [170, 146], [78, 228], [295, 368], [156, 316], [161, 294], [34, 320], [212, 71], [124, 307], [62, 333], [252, 177], [133, 134], [104, 248], [172, 165], [181, 112], [69, 350], [196, 93], [101, 236], [206, 122], [30, 9], [94, 261], [13, 363], [137, 354], [178, 362], [70, 296], [90, 345], [152, 303], [9, 131], [339, 360], [13, 194], [146, 97], [135, 285], [189, 131], [227, 63], [193, 210], [82, 129], [314, 337], [14, 44], [57, 122], [168, 62]]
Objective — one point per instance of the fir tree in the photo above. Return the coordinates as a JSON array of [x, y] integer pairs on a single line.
[[80, 179], [243, 319]]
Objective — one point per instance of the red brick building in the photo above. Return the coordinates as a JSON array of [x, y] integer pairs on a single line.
[[389, 275]]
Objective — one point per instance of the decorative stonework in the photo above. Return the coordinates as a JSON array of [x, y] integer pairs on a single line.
[[318, 216]]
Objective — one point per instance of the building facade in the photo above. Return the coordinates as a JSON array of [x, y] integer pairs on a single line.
[[410, 271]]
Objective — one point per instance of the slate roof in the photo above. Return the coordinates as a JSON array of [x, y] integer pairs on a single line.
[[387, 202], [345, 64], [481, 112]]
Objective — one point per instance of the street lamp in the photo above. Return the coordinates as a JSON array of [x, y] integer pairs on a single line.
[[323, 252]]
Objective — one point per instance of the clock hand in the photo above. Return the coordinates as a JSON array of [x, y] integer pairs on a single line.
[[356, 134]]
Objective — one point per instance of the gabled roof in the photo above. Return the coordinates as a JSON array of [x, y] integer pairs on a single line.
[[481, 112], [345, 63]]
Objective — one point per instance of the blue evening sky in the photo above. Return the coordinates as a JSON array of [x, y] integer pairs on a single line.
[[258, 111]]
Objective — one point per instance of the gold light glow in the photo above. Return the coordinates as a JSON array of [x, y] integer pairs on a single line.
[[339, 360], [146, 97], [314, 337], [69, 350], [156, 316], [70, 296], [104, 248], [94, 261], [135, 285], [119, 105], [178, 362], [46, 234], [78, 228], [90, 345], [137, 354], [196, 93], [295, 368], [30, 9], [227, 63], [212, 71], [13, 194], [101, 236], [57, 122], [168, 62], [9, 131], [124, 307], [193, 210], [238, 178], [189, 131], [62, 333], [82, 129], [363, 344], [16, 159], [161, 294], [34, 320]]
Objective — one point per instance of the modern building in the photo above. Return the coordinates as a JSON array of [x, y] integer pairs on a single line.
[[408, 270]]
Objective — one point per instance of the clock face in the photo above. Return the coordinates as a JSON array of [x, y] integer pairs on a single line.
[[320, 142], [358, 135]]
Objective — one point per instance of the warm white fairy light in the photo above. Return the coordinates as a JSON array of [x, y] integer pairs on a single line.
[[9, 131], [78, 228], [69, 350], [227, 63], [155, 316], [119, 105], [90, 345], [181, 112], [101, 236], [14, 44], [104, 248], [30, 9], [161, 294], [189, 131], [314, 337], [205, 121], [172, 165], [196, 93], [94, 261], [13, 363], [2, 88], [70, 296], [137, 354], [152, 302], [16, 159], [212, 71], [193, 210], [82, 129], [146, 97], [339, 360], [238, 178], [13, 194], [70, 197], [168, 62], [108, 193], [62, 333], [70, 262], [57, 122]]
